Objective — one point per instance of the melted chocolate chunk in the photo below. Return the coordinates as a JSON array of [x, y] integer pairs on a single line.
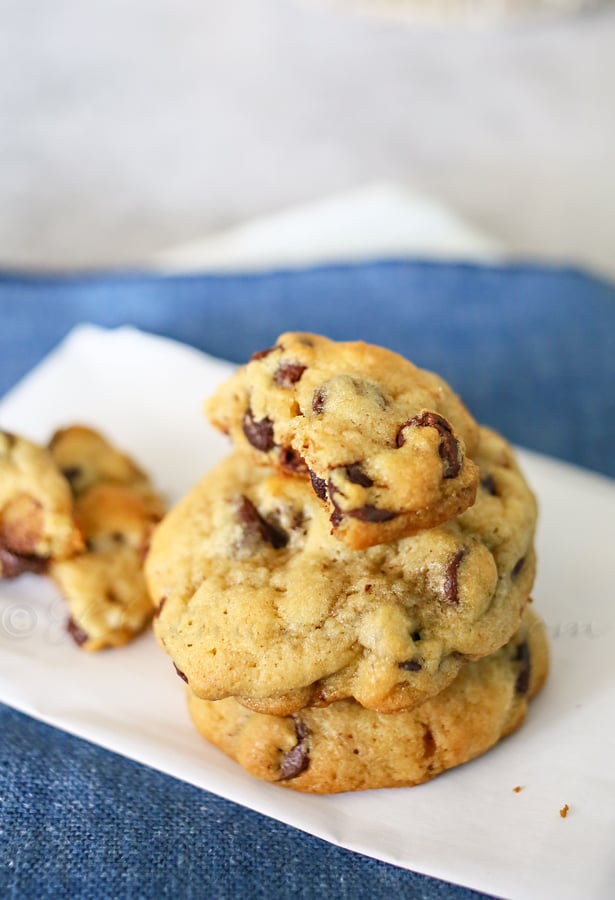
[[297, 759], [14, 564], [367, 513], [318, 401], [261, 354], [451, 586], [255, 524], [522, 684], [356, 475], [449, 450], [410, 665], [319, 485], [370, 513], [288, 373], [180, 673], [336, 517], [76, 632], [291, 462], [259, 434], [517, 568], [488, 484]]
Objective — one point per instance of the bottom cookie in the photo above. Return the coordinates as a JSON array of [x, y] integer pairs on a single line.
[[344, 747]]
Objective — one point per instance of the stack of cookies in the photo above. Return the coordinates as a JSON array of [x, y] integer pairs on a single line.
[[346, 594]]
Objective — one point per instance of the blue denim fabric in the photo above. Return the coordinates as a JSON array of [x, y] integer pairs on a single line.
[[531, 350]]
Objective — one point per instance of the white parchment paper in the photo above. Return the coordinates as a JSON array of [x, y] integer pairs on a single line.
[[467, 826]]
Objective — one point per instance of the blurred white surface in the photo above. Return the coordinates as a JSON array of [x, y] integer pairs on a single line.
[[381, 220], [130, 127]]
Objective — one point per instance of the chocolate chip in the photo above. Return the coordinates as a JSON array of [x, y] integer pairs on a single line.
[[9, 438], [288, 373], [261, 354], [410, 665], [180, 673], [72, 474], [522, 684], [451, 574], [159, 608], [488, 484], [449, 449], [76, 632], [336, 517], [319, 485], [293, 763], [318, 400], [367, 588], [292, 462], [416, 636], [356, 475], [303, 732], [255, 524], [14, 564], [517, 568], [259, 433], [297, 759], [367, 513], [429, 742], [370, 513]]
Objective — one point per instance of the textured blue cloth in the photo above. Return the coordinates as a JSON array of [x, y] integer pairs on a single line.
[[531, 350]]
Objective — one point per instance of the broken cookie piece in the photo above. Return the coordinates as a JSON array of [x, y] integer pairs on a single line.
[[117, 510], [36, 509]]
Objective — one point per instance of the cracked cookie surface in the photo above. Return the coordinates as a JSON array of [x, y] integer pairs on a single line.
[[387, 446], [345, 747], [256, 601], [117, 509], [36, 509]]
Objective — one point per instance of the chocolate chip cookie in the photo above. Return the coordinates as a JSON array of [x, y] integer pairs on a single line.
[[386, 446], [117, 509], [256, 601], [36, 509], [345, 747]]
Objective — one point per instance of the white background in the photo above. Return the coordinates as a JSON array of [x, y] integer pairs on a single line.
[[131, 126]]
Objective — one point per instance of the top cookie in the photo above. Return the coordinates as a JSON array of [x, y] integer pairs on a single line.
[[386, 445], [36, 509]]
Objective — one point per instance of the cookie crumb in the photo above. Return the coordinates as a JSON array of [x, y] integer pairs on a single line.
[[564, 811], [517, 789]]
